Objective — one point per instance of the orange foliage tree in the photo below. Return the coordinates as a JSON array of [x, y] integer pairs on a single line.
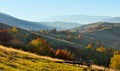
[[63, 54]]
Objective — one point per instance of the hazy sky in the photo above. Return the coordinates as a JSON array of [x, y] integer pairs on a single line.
[[36, 10]]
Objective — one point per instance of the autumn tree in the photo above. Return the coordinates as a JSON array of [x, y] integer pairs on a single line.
[[5, 36], [101, 49], [43, 31], [69, 36], [14, 31], [40, 46], [16, 43], [89, 46], [79, 36], [115, 61], [63, 54]]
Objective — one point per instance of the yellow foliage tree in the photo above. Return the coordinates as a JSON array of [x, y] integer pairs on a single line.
[[41, 46], [37, 42], [89, 46], [14, 30], [115, 61], [101, 49]]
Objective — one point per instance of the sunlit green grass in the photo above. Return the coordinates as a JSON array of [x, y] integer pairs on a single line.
[[16, 61]]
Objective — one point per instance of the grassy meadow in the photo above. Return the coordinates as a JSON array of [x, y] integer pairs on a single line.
[[17, 60]]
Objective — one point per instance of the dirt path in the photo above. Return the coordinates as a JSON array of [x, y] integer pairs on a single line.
[[101, 68]]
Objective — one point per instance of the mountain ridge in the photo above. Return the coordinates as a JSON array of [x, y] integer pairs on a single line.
[[83, 19], [9, 20]]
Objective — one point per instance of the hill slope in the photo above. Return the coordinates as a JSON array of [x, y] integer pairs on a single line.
[[9, 20], [103, 31], [17, 60], [95, 26]]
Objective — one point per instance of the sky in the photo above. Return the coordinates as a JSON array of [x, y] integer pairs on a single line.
[[37, 10]]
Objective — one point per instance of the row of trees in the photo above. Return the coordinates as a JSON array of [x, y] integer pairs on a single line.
[[101, 48], [42, 47]]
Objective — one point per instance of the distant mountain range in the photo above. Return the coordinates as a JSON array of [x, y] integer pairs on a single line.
[[83, 19], [61, 25], [9, 20], [112, 20], [58, 22]]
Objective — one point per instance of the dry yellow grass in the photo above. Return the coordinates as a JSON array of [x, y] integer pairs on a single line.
[[29, 53], [18, 60]]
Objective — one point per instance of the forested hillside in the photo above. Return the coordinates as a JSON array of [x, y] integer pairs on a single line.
[[40, 43]]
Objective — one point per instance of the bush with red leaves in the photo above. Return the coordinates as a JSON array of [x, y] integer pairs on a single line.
[[5, 36]]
